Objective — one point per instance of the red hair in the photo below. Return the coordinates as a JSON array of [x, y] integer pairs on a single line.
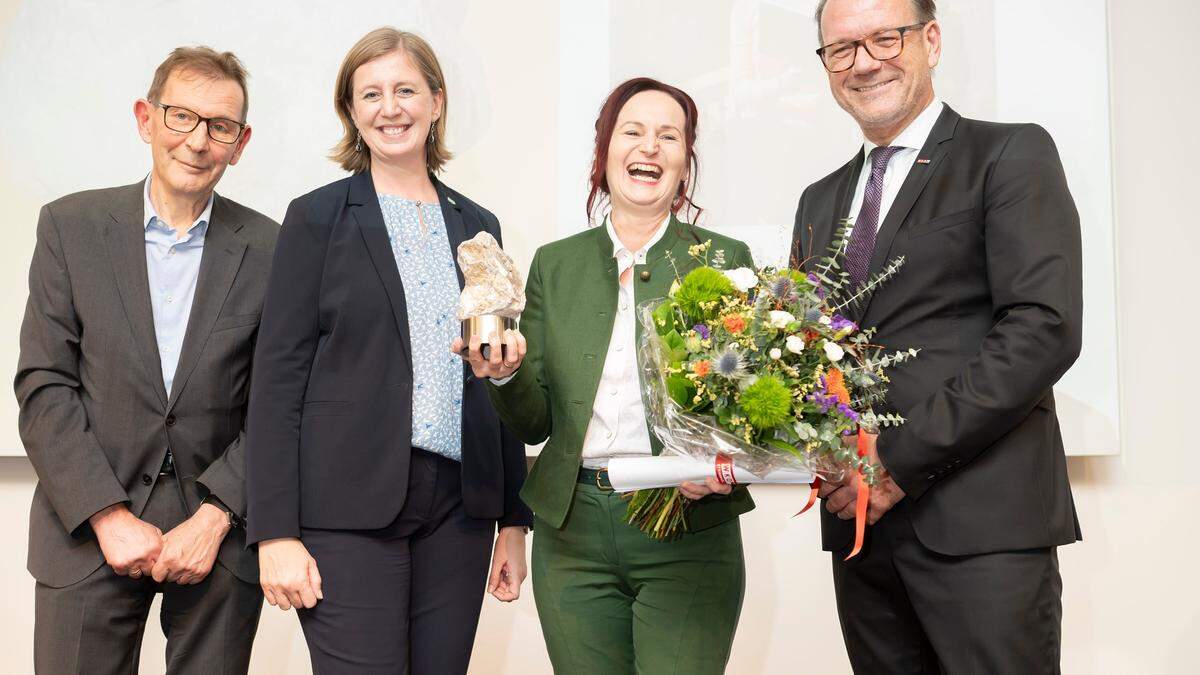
[[606, 123]]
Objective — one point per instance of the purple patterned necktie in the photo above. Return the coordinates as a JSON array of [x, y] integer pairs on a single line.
[[862, 239]]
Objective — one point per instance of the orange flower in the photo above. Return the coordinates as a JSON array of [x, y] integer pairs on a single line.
[[734, 323], [701, 368], [835, 385]]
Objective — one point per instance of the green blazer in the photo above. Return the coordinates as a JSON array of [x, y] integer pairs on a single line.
[[571, 300]]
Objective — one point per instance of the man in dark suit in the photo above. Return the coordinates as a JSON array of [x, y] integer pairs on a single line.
[[133, 379], [959, 573]]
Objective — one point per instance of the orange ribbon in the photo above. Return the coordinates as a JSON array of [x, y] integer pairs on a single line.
[[866, 448], [814, 488]]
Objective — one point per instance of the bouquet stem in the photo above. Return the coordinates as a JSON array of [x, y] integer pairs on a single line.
[[661, 513]]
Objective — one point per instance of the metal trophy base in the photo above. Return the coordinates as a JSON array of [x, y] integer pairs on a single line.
[[485, 326]]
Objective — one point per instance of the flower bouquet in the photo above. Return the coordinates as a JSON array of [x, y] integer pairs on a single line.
[[758, 373]]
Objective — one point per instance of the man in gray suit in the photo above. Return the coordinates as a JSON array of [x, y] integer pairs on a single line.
[[133, 379]]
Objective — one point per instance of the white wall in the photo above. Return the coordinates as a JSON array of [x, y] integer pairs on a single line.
[[1130, 598]]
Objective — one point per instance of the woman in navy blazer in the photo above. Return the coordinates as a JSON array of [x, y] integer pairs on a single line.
[[377, 469]]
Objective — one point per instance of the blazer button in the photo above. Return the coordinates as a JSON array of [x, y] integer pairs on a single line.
[[170, 420], [645, 275], [146, 479]]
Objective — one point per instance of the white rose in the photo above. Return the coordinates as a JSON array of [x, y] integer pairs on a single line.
[[775, 353], [824, 320], [794, 343], [743, 278], [833, 351], [780, 319]]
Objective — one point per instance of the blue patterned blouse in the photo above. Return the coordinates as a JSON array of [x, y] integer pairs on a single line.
[[431, 292]]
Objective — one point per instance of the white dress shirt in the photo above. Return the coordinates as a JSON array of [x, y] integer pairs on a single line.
[[912, 139], [618, 425]]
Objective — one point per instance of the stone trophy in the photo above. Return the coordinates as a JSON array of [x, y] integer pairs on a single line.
[[493, 293]]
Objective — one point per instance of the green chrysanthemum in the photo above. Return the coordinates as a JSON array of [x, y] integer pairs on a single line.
[[701, 286], [767, 403]]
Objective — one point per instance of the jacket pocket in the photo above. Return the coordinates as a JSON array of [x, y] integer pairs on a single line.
[[325, 408], [234, 321], [942, 222]]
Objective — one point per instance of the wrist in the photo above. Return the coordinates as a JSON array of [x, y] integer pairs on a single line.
[[108, 514], [214, 517], [515, 529]]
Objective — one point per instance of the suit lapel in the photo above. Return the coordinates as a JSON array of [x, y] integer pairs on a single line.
[[935, 150], [125, 239], [824, 230], [223, 253], [456, 228], [363, 204]]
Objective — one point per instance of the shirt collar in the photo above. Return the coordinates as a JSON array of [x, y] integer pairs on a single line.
[[917, 131], [618, 246], [149, 215]]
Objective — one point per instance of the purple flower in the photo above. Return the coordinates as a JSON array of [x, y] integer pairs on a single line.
[[816, 282], [840, 323], [824, 400], [701, 330], [847, 411]]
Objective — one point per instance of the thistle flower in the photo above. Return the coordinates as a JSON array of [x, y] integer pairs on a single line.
[[783, 288], [729, 363], [767, 403]]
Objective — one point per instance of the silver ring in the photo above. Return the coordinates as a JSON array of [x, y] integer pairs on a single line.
[[135, 573], [509, 365]]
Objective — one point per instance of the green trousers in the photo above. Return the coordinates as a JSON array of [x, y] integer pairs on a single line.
[[613, 601]]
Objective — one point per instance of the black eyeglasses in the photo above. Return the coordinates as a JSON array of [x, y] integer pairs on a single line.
[[220, 129], [882, 46]]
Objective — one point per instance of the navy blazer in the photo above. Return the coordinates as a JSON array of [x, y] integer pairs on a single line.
[[330, 420]]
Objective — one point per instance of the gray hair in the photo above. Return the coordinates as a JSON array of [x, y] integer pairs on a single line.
[[926, 11]]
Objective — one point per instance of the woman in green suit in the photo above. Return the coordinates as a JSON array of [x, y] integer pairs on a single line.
[[610, 599]]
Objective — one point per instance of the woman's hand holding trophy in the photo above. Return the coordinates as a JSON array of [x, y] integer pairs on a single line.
[[492, 299]]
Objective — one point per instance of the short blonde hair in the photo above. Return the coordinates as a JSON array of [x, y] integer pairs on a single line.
[[204, 61], [377, 43]]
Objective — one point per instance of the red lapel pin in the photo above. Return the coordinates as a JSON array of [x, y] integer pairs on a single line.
[[922, 161]]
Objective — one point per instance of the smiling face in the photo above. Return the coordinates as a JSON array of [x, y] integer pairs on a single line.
[[393, 107], [647, 155], [882, 96], [190, 164]]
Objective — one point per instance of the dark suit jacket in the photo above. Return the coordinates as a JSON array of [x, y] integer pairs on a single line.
[[330, 426], [95, 419], [990, 291]]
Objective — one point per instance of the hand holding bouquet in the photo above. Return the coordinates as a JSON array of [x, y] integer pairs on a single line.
[[759, 371]]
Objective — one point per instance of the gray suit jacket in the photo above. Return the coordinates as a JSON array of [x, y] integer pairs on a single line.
[[95, 418]]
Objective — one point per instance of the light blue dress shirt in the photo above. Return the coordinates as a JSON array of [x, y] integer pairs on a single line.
[[172, 266], [431, 292]]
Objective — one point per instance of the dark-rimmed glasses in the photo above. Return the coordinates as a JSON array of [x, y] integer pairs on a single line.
[[882, 46], [220, 129]]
